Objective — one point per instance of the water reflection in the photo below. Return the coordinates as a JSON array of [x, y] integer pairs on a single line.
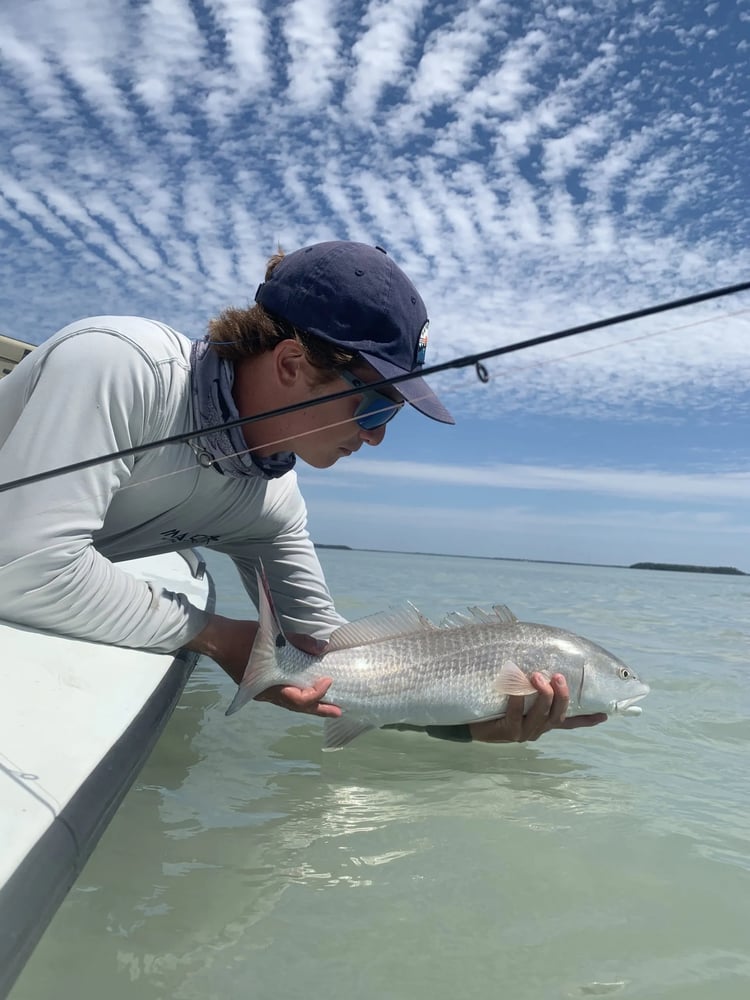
[[199, 859], [229, 869]]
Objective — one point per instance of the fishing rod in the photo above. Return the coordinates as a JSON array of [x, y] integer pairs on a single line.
[[476, 360]]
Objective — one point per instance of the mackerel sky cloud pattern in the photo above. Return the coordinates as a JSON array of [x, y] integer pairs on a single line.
[[531, 166]]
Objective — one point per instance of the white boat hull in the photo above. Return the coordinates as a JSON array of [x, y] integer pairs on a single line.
[[77, 722]]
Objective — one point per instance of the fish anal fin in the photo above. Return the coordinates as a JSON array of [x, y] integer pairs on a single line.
[[512, 680], [341, 731]]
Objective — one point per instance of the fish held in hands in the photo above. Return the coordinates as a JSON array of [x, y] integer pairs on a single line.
[[399, 667]]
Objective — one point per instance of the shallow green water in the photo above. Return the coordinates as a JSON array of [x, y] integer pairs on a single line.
[[613, 862]]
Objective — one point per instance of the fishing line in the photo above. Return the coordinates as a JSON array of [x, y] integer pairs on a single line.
[[536, 364], [84, 502], [19, 516], [628, 340], [465, 361]]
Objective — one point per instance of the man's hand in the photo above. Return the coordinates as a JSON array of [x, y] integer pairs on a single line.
[[307, 700], [547, 712], [229, 641]]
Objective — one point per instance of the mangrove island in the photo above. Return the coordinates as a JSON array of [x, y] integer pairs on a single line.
[[679, 568]]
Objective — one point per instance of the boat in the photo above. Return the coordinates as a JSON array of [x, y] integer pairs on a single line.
[[11, 352], [77, 721]]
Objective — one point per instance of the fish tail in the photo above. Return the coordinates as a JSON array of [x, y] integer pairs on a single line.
[[262, 670]]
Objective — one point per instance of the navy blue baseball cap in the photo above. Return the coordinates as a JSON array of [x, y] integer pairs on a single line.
[[354, 295]]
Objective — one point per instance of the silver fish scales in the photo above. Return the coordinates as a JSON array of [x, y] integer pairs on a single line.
[[399, 667]]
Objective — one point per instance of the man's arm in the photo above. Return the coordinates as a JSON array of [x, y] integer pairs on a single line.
[[87, 394]]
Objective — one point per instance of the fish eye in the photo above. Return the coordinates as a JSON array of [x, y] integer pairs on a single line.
[[626, 674]]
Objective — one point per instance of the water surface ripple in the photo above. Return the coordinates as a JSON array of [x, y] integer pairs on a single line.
[[616, 861]]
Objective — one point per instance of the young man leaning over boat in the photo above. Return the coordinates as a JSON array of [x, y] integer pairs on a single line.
[[327, 318]]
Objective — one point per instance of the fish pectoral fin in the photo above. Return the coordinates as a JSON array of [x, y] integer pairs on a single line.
[[512, 680], [343, 730]]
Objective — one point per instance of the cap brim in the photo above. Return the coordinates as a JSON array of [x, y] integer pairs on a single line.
[[415, 391]]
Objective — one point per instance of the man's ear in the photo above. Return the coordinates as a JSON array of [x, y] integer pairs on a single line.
[[289, 362]]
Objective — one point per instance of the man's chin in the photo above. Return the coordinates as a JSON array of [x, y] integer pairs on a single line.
[[316, 462]]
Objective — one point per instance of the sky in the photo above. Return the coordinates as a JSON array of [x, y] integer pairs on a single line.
[[531, 166]]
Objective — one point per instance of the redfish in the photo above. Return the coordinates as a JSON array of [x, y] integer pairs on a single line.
[[399, 667]]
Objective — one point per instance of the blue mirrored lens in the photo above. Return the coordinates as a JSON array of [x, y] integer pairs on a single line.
[[375, 408], [375, 411]]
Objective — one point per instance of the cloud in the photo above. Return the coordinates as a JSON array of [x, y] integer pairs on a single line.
[[382, 52], [531, 167], [615, 535], [636, 483], [244, 74], [313, 44]]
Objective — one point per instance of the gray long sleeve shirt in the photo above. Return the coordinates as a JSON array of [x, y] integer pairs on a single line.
[[99, 386]]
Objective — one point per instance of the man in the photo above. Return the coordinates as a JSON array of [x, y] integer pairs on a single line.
[[327, 318]]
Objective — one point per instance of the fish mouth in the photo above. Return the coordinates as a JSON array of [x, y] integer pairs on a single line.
[[628, 705]]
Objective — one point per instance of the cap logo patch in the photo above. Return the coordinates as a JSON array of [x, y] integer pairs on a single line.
[[422, 344]]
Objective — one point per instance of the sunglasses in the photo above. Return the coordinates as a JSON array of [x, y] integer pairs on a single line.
[[375, 410]]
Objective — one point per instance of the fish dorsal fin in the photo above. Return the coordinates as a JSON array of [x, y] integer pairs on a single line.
[[456, 619], [376, 628], [427, 624], [500, 615]]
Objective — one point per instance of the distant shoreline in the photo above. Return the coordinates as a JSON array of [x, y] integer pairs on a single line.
[[680, 568], [669, 567]]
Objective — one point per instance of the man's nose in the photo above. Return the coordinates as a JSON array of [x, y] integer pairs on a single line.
[[373, 436]]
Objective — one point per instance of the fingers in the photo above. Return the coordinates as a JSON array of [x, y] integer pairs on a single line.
[[540, 710], [513, 722], [560, 701], [309, 699], [558, 707], [549, 707], [306, 700], [584, 721], [547, 712]]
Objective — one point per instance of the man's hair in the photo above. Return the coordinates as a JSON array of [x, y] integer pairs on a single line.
[[241, 333]]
